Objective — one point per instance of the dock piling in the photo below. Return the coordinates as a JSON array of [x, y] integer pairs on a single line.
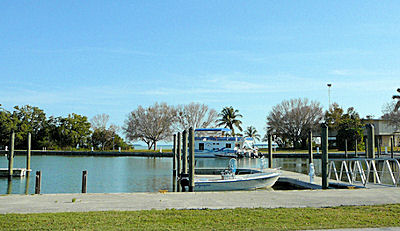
[[28, 154], [11, 155], [178, 164], [391, 148], [84, 181], [270, 164], [174, 164], [191, 160], [185, 154], [345, 149], [324, 157], [38, 182], [371, 141], [310, 147]]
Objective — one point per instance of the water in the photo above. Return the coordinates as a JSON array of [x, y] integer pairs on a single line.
[[63, 174]]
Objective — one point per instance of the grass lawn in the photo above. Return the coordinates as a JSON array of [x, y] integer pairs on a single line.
[[228, 219]]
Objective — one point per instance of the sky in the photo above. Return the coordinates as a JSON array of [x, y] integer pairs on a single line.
[[93, 57]]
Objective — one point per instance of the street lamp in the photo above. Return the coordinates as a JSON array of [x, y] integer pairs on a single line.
[[329, 95]]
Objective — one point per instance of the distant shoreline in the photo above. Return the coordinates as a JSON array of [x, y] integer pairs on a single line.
[[90, 153]]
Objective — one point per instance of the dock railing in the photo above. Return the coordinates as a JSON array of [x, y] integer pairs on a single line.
[[366, 171]]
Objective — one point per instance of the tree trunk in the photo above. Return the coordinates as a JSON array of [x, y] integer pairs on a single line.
[[155, 145]]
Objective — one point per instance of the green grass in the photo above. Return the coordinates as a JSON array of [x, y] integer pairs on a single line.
[[228, 219]]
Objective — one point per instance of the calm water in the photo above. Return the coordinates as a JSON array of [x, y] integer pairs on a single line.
[[61, 174]]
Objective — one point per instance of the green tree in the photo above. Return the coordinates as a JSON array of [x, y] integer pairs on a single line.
[[252, 132], [23, 120], [349, 126], [229, 118], [71, 131]]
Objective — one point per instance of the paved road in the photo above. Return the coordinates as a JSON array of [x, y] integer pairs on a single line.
[[197, 200]]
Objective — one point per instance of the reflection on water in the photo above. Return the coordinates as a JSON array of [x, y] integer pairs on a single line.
[[62, 174]]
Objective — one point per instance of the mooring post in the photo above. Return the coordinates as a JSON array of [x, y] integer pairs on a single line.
[[366, 147], [310, 147], [11, 155], [270, 164], [84, 181], [178, 165], [28, 154], [185, 154], [324, 157], [27, 183], [371, 141], [191, 160], [345, 149], [174, 165], [38, 182], [391, 148], [378, 146], [371, 147]]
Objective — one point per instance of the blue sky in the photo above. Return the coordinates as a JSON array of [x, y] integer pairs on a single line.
[[91, 57]]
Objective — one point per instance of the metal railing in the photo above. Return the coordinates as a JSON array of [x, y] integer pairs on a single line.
[[366, 171]]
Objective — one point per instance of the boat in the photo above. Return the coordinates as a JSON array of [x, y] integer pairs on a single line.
[[215, 142], [233, 179]]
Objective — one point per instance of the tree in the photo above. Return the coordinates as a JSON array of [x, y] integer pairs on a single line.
[[71, 131], [99, 121], [195, 115], [252, 132], [392, 115], [150, 124], [23, 120], [229, 119], [103, 136], [291, 120], [350, 128], [333, 116]]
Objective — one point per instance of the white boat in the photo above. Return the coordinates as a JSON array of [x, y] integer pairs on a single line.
[[235, 179], [213, 142]]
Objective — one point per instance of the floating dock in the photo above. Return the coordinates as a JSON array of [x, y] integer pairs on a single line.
[[17, 172]]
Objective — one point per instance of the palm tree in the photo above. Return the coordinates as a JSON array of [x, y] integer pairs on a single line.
[[252, 132], [229, 119]]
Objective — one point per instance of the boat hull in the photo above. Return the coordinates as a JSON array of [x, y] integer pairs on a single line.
[[241, 182]]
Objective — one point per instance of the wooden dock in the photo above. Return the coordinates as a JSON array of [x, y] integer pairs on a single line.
[[17, 172]]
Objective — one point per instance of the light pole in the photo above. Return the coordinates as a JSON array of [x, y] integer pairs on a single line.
[[329, 95]]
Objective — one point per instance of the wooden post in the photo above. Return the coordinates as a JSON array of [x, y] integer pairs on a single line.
[[391, 148], [345, 149], [324, 157], [174, 165], [178, 165], [191, 160], [366, 148], [11, 156], [28, 154], [9, 185], [174, 156], [27, 183], [38, 182], [378, 146], [270, 164], [185, 154], [371, 141], [371, 147], [310, 147], [84, 181]]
